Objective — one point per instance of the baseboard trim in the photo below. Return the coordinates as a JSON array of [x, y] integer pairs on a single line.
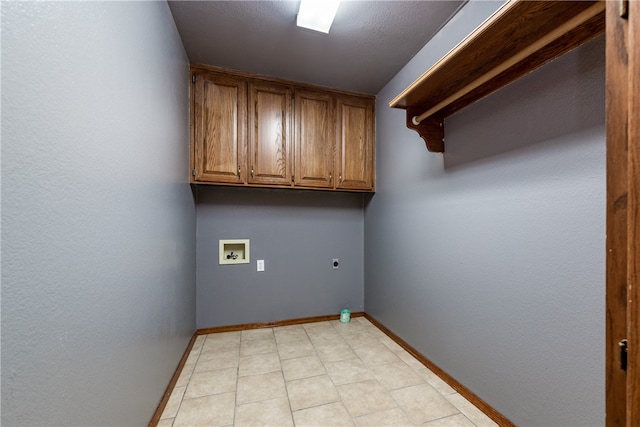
[[174, 379], [468, 394], [465, 392], [172, 383], [274, 324]]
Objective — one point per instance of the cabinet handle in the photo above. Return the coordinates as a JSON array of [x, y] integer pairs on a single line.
[[329, 176], [340, 178], [251, 171], [238, 171]]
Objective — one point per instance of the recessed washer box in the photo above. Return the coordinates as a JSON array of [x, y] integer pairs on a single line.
[[234, 251]]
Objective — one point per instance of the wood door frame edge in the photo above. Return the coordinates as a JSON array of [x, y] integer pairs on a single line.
[[633, 216]]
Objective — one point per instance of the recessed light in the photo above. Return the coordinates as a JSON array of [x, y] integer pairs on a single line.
[[317, 15]]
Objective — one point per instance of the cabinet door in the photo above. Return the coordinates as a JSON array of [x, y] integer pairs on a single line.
[[220, 123], [355, 131], [315, 139], [269, 133]]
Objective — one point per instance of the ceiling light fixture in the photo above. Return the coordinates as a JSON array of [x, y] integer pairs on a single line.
[[317, 15]]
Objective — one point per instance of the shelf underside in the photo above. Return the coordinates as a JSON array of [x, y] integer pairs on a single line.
[[520, 37]]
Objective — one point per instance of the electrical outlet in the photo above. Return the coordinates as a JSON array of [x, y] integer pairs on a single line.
[[260, 265], [335, 263]]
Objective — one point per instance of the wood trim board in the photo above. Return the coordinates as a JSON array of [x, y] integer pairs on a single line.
[[623, 214], [274, 324], [155, 419], [465, 392], [633, 218], [518, 38], [231, 328], [194, 66], [617, 99]]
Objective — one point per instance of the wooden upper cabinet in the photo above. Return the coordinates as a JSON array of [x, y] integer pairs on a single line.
[[269, 133], [255, 131], [219, 128], [315, 140], [356, 146]]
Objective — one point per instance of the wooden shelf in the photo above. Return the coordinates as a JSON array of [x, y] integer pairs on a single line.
[[519, 37]]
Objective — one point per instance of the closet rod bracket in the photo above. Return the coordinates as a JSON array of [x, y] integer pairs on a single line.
[[431, 129]]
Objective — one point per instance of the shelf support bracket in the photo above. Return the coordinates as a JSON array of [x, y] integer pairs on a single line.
[[431, 130]]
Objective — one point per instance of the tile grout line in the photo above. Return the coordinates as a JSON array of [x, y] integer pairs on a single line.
[[378, 379], [235, 399], [284, 380], [349, 343], [423, 382], [188, 381], [286, 383], [324, 364]]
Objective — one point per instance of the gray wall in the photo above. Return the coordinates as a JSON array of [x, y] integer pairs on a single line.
[[98, 220], [297, 233], [489, 259]]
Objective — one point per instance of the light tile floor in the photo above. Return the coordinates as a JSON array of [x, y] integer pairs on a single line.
[[315, 374]]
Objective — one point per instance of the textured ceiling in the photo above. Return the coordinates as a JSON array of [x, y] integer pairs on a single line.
[[369, 41]]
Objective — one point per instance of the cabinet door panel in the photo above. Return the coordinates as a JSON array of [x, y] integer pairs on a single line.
[[314, 139], [269, 133], [355, 144], [220, 139]]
